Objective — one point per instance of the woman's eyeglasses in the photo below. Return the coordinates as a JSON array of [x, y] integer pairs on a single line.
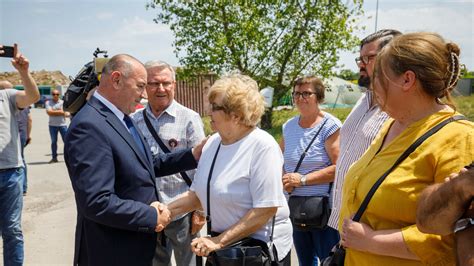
[[304, 94]]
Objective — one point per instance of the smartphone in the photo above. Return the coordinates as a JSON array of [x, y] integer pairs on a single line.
[[7, 51]]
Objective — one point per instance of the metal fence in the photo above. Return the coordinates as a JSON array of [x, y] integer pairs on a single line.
[[192, 93]]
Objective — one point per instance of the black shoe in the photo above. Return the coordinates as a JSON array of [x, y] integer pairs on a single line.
[[54, 160]]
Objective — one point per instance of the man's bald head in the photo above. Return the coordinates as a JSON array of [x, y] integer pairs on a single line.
[[5, 84], [123, 82], [121, 62]]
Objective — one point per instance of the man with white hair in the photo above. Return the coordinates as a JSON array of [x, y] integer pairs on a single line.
[[171, 127]]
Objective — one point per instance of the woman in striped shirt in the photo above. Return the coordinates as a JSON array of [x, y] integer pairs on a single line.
[[317, 169]]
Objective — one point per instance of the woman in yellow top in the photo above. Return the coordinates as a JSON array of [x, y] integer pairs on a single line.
[[413, 73]]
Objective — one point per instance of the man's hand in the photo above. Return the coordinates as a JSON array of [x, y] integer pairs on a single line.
[[164, 215], [198, 149], [19, 62], [197, 221], [30, 94]]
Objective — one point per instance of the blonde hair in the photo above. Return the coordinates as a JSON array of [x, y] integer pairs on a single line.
[[240, 96], [435, 63]]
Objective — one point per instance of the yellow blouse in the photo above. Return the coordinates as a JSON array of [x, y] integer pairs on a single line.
[[393, 205]]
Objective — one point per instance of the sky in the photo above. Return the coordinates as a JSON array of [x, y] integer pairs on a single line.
[[62, 34]]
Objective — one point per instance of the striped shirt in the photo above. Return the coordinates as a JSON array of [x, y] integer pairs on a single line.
[[178, 125], [357, 133], [296, 141]]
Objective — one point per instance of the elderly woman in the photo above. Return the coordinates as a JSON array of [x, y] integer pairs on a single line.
[[245, 188], [317, 169], [413, 73]]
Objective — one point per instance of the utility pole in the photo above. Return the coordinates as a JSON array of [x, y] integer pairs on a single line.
[[376, 15]]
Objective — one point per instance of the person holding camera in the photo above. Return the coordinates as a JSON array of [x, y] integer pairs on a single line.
[[25, 122], [11, 162]]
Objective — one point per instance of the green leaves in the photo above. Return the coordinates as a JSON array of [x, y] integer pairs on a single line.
[[274, 42]]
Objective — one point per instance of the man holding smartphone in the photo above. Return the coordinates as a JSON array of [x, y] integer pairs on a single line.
[[11, 163]]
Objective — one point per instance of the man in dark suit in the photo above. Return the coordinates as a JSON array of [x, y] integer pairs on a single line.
[[113, 173]]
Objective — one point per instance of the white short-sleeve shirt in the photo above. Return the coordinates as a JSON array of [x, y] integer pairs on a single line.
[[247, 174]]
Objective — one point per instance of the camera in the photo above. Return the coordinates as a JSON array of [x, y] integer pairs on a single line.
[[8, 51], [87, 79]]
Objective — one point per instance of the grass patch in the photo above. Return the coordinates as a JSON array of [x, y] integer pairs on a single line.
[[465, 105]]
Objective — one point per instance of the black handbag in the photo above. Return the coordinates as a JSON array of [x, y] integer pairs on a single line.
[[309, 212], [247, 251], [337, 255]]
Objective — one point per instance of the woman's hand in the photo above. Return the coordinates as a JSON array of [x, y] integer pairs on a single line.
[[202, 246], [356, 235], [290, 181]]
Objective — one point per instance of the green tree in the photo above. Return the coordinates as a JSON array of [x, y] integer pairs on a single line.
[[274, 42], [348, 74]]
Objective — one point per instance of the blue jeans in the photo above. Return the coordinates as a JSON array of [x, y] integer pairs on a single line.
[[11, 204], [53, 132], [314, 244]]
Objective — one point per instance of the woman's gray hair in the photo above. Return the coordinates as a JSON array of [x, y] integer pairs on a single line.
[[240, 96]]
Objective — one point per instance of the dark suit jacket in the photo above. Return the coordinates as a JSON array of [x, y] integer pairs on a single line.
[[114, 185]]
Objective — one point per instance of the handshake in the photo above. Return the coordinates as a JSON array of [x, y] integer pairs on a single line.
[[164, 218], [164, 215]]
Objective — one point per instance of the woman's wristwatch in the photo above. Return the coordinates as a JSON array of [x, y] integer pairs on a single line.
[[463, 224], [303, 180]]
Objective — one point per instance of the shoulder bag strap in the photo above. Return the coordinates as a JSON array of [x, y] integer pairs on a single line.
[[306, 151], [270, 251], [162, 145], [208, 203], [408, 151], [309, 145]]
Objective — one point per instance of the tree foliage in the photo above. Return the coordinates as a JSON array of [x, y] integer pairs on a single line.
[[348, 74], [274, 42]]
